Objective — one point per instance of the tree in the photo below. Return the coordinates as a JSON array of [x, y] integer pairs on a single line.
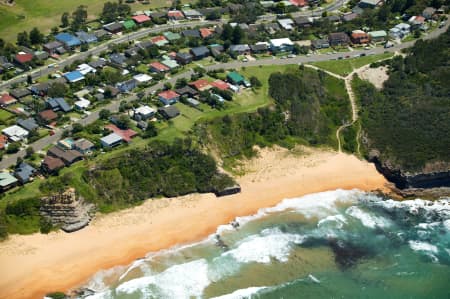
[[29, 152], [23, 39], [76, 128], [29, 79], [36, 37], [238, 35], [255, 82], [104, 114], [79, 17], [65, 20], [56, 90], [123, 122], [181, 82], [150, 131]]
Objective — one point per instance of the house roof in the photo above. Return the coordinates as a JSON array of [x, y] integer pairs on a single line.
[[28, 124], [55, 103], [169, 111], [52, 163], [299, 3], [24, 172], [171, 35], [83, 144], [117, 58], [69, 156], [279, 42], [200, 84], [15, 133], [99, 63], [379, 33], [200, 51], [19, 93], [144, 110], [186, 90], [170, 63], [235, 77], [74, 76], [53, 45], [86, 37], [141, 19], [3, 141], [258, 47], [222, 85], [24, 57], [239, 48], [111, 139], [191, 33], [7, 99], [128, 24], [159, 66], [159, 40], [124, 134], [338, 36], [175, 14], [68, 39], [48, 115], [6, 179], [192, 13], [168, 94], [205, 32], [113, 26]]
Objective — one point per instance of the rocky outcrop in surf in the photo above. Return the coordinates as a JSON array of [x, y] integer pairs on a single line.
[[67, 210]]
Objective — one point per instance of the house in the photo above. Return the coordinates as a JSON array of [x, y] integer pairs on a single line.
[[127, 86], [168, 97], [141, 19], [101, 34], [187, 91], [192, 14], [333, 19], [338, 39], [132, 52], [47, 116], [86, 38], [205, 32], [201, 85], [400, 30], [222, 85], [191, 33], [183, 58], [82, 104], [171, 64], [216, 50], [303, 22], [98, 64], [5, 65], [118, 59], [159, 40], [218, 98], [3, 142], [6, 100], [377, 36], [15, 133], [272, 28], [359, 37], [19, 93], [143, 113], [286, 24], [171, 36], [51, 47], [67, 156], [320, 43], [74, 76], [51, 165], [7, 181], [158, 67], [23, 58], [111, 140], [200, 52], [370, 3], [235, 78], [68, 40], [114, 27], [175, 15], [169, 112], [40, 55], [126, 134], [58, 104], [83, 145], [299, 3], [158, 15], [142, 78], [259, 48], [28, 124], [416, 21], [428, 12], [281, 45], [350, 17], [239, 49], [85, 69], [24, 172], [40, 89]]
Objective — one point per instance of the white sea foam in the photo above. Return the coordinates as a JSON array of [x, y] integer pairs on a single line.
[[422, 246], [102, 295], [313, 278], [366, 219], [242, 293], [270, 244], [339, 220], [441, 207], [179, 281]]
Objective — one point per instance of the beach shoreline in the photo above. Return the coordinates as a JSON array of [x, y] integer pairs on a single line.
[[34, 265]]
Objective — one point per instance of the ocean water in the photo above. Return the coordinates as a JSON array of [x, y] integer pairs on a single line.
[[337, 244]]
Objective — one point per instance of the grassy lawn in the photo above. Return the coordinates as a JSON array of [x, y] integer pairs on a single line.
[[5, 115], [45, 14], [346, 66]]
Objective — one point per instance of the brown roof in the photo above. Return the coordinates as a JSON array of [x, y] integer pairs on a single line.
[[69, 156], [48, 115], [52, 163]]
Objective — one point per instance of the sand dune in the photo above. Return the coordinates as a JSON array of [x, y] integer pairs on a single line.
[[33, 265]]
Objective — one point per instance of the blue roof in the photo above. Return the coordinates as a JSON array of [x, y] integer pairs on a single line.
[[24, 172], [68, 39], [74, 76]]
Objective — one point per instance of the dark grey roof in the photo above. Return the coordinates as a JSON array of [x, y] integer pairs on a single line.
[[158, 14], [53, 45], [24, 172], [258, 47], [206, 11], [186, 90], [19, 93], [184, 55], [58, 103], [239, 48], [100, 33], [200, 51], [169, 111], [145, 44], [132, 51], [99, 63], [302, 20], [28, 124], [117, 58], [113, 26], [191, 33]]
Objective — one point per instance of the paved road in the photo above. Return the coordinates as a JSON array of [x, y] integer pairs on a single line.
[[45, 70], [114, 106]]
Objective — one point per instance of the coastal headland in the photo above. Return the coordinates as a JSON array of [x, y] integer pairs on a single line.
[[33, 265]]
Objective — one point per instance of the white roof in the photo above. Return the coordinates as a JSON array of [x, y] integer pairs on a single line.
[[142, 78], [262, 43], [286, 23], [111, 139], [82, 103], [85, 68], [278, 42], [144, 110], [15, 132]]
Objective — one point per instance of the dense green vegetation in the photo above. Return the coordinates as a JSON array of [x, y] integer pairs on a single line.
[[309, 106], [408, 121]]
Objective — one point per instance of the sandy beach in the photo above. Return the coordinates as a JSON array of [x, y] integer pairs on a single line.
[[34, 265]]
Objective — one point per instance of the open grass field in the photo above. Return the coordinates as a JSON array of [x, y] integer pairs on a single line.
[[346, 66], [45, 14], [5, 115]]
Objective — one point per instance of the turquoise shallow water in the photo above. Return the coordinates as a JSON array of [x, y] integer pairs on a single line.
[[338, 244]]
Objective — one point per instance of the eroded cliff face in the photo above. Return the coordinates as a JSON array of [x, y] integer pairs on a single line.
[[67, 210], [433, 176]]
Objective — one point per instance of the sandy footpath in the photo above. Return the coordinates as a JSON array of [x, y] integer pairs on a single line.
[[31, 266]]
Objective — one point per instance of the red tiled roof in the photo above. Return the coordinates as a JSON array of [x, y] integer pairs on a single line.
[[24, 58], [159, 66], [205, 32], [158, 38], [200, 84], [220, 84], [6, 99], [300, 3], [419, 19], [168, 94], [175, 13], [141, 19], [3, 141], [48, 115], [125, 134], [359, 35]]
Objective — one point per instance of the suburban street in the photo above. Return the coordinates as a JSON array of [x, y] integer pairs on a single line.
[[114, 106]]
